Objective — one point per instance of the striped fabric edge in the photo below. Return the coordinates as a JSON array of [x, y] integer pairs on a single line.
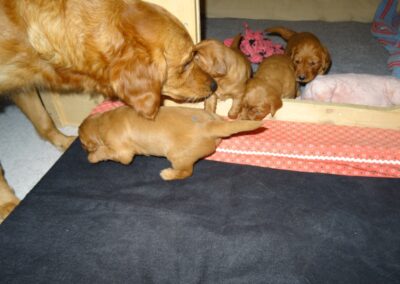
[[310, 157]]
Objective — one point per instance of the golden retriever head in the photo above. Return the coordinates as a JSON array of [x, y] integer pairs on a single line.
[[309, 56], [156, 59]]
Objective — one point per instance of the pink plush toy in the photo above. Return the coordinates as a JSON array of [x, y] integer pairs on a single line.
[[255, 46], [362, 89]]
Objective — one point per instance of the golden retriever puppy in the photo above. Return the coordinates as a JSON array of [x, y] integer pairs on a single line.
[[275, 79], [132, 50], [230, 69], [182, 135], [309, 56], [7, 197]]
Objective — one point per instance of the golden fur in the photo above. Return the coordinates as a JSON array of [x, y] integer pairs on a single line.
[[309, 56], [182, 135], [132, 50], [230, 69], [8, 200], [275, 79]]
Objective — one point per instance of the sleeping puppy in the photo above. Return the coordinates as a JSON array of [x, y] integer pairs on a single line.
[[182, 135], [275, 79], [309, 56], [230, 69]]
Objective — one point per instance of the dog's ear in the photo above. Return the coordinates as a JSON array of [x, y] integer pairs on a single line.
[[137, 78], [236, 42], [208, 59], [325, 61], [292, 53], [275, 103]]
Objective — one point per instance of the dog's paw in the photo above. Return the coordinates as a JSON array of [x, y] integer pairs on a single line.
[[171, 174], [6, 209], [233, 115], [93, 157], [168, 174], [63, 142]]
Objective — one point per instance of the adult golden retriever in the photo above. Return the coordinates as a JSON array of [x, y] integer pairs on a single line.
[[132, 50]]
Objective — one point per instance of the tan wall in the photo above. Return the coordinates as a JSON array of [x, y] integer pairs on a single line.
[[326, 10]]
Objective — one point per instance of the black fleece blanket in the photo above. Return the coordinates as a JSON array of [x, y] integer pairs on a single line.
[[110, 223]]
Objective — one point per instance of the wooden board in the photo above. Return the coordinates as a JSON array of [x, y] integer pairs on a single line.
[[318, 112]]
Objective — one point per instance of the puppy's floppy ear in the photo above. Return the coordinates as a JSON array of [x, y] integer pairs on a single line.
[[325, 61], [291, 53], [137, 78], [275, 103], [206, 56], [236, 42]]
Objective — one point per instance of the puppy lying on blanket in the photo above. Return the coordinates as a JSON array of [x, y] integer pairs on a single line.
[[351, 88], [182, 135], [229, 67], [275, 79]]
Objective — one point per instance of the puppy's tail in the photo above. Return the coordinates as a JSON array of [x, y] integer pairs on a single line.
[[236, 42], [285, 33], [222, 128]]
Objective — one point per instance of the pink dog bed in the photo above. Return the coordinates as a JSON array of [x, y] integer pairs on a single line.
[[362, 89]]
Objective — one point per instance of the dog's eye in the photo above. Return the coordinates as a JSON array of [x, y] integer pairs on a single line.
[[297, 61], [313, 63]]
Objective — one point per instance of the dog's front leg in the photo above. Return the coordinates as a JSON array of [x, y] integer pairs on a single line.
[[235, 108], [31, 105], [210, 104], [104, 153], [8, 200]]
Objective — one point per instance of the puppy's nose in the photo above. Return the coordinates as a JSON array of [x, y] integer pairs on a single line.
[[213, 86], [301, 77]]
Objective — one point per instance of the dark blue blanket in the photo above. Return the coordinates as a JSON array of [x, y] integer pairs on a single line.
[[110, 223]]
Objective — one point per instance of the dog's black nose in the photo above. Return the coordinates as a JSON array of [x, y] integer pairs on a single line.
[[213, 86], [302, 77]]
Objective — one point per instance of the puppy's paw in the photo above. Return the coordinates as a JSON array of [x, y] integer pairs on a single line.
[[93, 158], [171, 174], [168, 174], [233, 114]]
